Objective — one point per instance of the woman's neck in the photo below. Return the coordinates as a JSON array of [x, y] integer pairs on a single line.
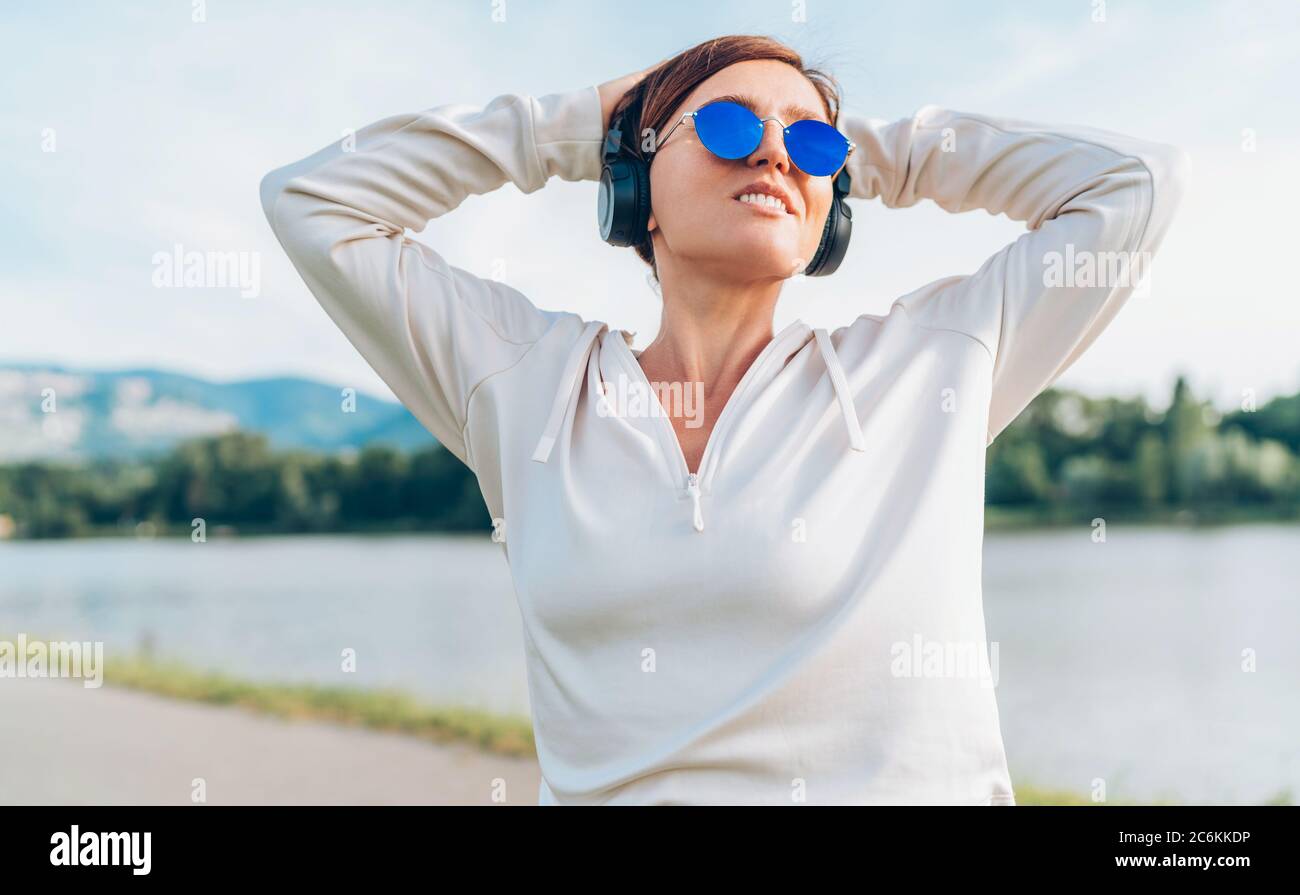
[[710, 335]]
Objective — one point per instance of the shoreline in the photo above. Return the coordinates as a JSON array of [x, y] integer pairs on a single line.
[[997, 520]]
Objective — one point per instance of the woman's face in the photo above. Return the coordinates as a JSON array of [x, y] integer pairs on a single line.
[[696, 219]]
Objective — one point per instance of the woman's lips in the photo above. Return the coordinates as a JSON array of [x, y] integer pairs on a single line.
[[764, 209]]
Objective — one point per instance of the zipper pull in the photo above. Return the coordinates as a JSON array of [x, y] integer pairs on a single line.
[[693, 489]]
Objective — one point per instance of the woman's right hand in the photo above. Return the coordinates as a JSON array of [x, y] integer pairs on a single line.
[[612, 91]]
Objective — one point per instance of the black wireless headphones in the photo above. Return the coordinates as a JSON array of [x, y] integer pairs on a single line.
[[623, 205]]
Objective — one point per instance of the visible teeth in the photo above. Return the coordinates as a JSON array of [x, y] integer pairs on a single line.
[[763, 199]]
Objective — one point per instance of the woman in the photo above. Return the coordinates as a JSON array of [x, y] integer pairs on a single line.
[[778, 600]]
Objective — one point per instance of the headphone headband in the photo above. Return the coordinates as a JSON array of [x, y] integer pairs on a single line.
[[614, 139]]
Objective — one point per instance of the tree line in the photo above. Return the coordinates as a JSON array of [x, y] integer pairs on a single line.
[[1068, 457]]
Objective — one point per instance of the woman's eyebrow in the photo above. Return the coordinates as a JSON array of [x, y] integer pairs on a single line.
[[792, 112]]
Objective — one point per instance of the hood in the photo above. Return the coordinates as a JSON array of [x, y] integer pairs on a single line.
[[567, 391]]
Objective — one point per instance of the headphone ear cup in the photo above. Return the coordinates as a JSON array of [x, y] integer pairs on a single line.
[[819, 256], [642, 215], [623, 204], [835, 240]]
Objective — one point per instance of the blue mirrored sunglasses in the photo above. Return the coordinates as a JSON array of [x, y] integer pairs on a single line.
[[731, 131]]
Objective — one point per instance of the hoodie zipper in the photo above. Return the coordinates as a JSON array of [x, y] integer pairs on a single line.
[[695, 480], [693, 489]]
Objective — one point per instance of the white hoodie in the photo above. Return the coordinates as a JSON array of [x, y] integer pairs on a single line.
[[803, 620]]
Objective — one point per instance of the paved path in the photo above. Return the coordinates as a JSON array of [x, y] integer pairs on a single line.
[[62, 744]]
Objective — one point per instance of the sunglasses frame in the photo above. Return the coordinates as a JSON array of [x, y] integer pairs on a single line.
[[762, 122]]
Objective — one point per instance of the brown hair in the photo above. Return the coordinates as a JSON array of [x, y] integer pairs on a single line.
[[650, 103]]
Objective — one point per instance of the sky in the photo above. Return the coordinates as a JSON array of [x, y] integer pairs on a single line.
[[130, 129]]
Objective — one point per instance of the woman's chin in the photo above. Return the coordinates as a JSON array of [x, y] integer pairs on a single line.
[[765, 257]]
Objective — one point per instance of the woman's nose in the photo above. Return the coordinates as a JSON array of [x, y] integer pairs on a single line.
[[772, 147]]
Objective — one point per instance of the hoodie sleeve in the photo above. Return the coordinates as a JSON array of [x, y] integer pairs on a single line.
[[432, 331], [1096, 204]]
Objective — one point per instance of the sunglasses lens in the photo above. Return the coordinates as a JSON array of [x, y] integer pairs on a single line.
[[728, 130], [816, 147]]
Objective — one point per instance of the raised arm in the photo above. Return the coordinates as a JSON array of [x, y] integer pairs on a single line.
[[1085, 194], [431, 330]]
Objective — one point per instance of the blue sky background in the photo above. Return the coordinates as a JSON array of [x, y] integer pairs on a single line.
[[165, 126]]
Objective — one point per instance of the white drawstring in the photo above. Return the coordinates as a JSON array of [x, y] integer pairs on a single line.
[[842, 393], [564, 394]]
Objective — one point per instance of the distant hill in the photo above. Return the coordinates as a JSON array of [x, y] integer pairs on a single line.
[[133, 412]]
